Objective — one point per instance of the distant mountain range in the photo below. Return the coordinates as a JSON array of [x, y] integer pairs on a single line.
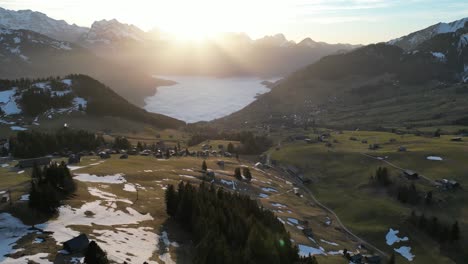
[[379, 85], [155, 53]]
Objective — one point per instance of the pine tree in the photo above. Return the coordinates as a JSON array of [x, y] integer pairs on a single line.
[[168, 154], [455, 232], [392, 259], [230, 148], [171, 200], [247, 174], [237, 173], [204, 167], [95, 255]]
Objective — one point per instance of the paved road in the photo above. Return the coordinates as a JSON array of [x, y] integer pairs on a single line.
[[311, 195]]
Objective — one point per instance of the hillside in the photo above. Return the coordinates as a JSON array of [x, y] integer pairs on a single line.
[[26, 103], [23, 54], [373, 86]]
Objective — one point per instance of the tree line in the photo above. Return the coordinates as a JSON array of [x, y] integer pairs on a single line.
[[30, 144], [438, 230], [229, 227], [250, 142]]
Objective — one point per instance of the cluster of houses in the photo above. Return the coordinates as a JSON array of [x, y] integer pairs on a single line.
[[446, 184]]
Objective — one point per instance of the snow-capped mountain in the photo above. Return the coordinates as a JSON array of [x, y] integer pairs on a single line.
[[41, 23], [110, 31], [278, 40], [411, 41], [24, 44]]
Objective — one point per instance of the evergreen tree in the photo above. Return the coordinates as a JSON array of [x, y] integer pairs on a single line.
[[95, 255], [204, 167], [230, 148], [428, 198], [455, 232], [171, 200], [237, 173], [392, 259], [168, 154]]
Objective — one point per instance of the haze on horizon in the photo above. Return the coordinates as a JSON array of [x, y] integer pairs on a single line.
[[332, 21]]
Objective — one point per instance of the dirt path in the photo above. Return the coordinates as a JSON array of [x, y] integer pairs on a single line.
[[298, 183]]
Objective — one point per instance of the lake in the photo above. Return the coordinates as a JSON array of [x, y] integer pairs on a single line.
[[199, 98]]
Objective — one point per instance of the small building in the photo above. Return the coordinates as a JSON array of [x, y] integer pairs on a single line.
[[74, 158], [448, 184], [5, 198], [402, 149], [373, 259], [457, 139], [123, 156], [29, 163], [356, 258], [259, 165], [77, 244], [411, 175], [104, 155]]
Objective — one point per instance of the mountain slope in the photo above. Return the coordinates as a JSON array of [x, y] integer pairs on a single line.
[[40, 23], [374, 86], [25, 53], [51, 98], [411, 41]]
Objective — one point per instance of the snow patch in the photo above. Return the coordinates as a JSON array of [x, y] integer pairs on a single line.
[[306, 251], [112, 179], [392, 237], [434, 158], [405, 252]]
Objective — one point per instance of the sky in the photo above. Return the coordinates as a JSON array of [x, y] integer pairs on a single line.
[[333, 21]]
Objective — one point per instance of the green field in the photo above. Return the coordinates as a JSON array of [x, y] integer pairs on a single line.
[[152, 175], [340, 179]]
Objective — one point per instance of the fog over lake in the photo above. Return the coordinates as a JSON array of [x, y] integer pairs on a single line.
[[196, 98]]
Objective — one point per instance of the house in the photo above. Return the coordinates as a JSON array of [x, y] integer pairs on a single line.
[[402, 149], [411, 175], [29, 163], [77, 244], [373, 259], [124, 156], [456, 139], [220, 163], [259, 165], [104, 155], [448, 184], [308, 141], [74, 158], [356, 258], [5, 198]]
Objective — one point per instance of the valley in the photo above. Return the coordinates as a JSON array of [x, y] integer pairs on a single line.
[[122, 143]]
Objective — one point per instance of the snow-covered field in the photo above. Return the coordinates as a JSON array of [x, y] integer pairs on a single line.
[[112, 179], [392, 238]]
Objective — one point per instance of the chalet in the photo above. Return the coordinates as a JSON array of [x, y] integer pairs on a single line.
[[77, 244], [374, 146], [145, 152], [411, 175], [352, 138], [123, 156], [356, 258], [132, 152], [220, 163], [5, 197], [308, 141], [74, 158], [448, 184], [373, 259], [259, 165], [227, 154], [104, 155], [402, 149], [458, 139], [29, 163]]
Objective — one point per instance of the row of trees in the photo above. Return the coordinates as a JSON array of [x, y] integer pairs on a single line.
[[229, 227], [250, 143], [36, 101], [438, 230], [30, 144], [49, 186]]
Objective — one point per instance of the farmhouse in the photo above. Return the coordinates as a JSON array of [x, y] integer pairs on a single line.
[[457, 139], [402, 149], [448, 184], [411, 175], [29, 163], [72, 159], [77, 244]]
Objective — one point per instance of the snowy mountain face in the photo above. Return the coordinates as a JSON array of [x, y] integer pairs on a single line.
[[40, 99], [110, 31], [278, 40], [411, 41], [23, 44], [40, 23]]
